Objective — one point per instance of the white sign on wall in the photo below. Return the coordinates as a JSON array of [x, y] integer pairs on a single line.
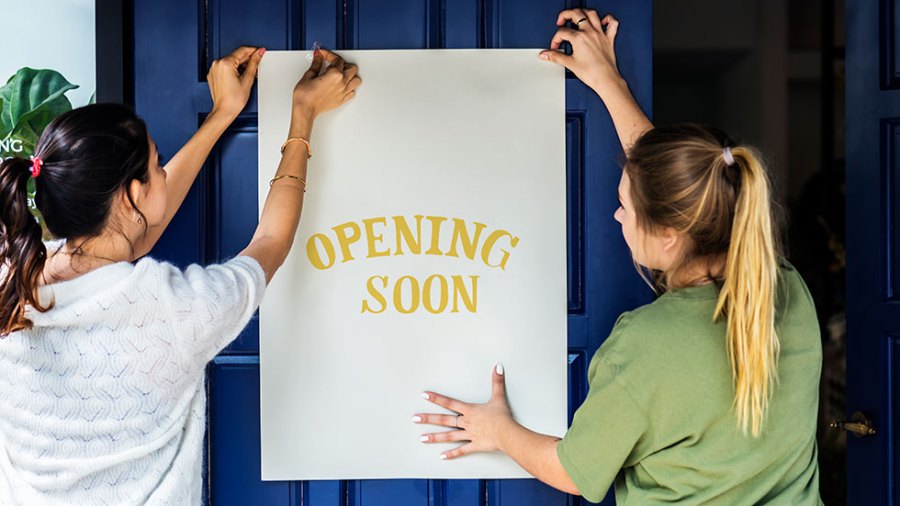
[[432, 246]]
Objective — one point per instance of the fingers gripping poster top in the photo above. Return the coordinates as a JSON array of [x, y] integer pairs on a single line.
[[432, 246]]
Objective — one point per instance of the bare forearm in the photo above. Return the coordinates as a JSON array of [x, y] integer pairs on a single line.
[[628, 118], [182, 169], [536, 453], [280, 217]]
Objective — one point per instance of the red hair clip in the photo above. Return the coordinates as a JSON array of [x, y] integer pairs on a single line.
[[36, 164]]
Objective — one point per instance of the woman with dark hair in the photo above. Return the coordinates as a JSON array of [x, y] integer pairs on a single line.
[[102, 360], [709, 394]]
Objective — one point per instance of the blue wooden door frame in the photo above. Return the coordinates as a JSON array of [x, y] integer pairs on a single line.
[[174, 42], [873, 245]]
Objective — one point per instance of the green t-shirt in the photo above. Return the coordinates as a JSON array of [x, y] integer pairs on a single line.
[[659, 417]]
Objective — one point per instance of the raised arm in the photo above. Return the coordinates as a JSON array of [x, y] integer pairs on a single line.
[[593, 60], [230, 80], [316, 93]]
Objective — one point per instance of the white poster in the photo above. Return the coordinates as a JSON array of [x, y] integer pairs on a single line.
[[432, 246]]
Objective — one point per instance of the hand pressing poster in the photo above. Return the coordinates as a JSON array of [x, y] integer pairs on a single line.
[[432, 246]]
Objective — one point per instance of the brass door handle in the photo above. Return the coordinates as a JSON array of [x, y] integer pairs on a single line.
[[859, 425]]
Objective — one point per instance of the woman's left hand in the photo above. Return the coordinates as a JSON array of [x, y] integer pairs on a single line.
[[231, 78], [481, 426]]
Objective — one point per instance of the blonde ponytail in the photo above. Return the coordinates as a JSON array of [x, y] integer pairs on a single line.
[[685, 178], [747, 297]]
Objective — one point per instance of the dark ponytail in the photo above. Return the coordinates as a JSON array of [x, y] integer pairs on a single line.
[[89, 155], [21, 248]]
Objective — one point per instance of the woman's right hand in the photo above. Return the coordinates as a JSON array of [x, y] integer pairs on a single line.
[[593, 58], [318, 92]]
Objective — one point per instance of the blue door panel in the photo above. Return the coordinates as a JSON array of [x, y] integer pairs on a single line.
[[231, 177], [229, 181], [873, 314], [392, 24], [324, 493], [165, 72], [575, 143], [233, 458], [323, 23], [513, 492], [273, 24], [462, 23], [460, 493], [516, 24], [576, 361], [220, 213], [377, 492]]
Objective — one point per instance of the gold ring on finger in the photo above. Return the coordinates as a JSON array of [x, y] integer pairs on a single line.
[[582, 20]]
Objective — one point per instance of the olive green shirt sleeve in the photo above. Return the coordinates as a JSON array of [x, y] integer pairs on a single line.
[[604, 432]]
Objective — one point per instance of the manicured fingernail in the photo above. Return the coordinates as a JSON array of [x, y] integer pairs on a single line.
[[499, 369], [443, 456], [417, 419], [423, 439], [426, 396], [544, 56], [262, 51]]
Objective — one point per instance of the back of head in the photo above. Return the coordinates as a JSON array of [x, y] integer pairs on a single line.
[[85, 158], [696, 181]]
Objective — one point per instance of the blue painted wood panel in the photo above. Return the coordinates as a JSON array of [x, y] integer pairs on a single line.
[[174, 42], [232, 457], [873, 314]]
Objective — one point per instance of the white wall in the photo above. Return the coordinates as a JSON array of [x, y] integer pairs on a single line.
[[54, 34]]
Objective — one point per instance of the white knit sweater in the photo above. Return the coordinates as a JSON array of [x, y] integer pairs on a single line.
[[103, 401]]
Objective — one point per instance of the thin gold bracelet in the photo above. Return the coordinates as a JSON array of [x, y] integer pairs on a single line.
[[276, 178], [298, 139]]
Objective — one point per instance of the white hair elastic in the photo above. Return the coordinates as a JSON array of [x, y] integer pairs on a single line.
[[729, 158]]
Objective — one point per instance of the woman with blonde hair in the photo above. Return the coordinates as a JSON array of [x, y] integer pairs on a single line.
[[709, 394]]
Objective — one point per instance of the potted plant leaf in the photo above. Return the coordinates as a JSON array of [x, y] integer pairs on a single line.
[[29, 101]]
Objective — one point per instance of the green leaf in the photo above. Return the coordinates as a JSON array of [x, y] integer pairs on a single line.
[[33, 122], [32, 207], [28, 138], [30, 90]]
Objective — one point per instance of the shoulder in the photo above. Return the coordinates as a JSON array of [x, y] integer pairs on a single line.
[[796, 321], [240, 264], [791, 285], [662, 316], [666, 341], [793, 301], [195, 279], [632, 337]]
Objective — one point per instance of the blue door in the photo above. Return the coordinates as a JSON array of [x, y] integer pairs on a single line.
[[174, 43], [873, 247]]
